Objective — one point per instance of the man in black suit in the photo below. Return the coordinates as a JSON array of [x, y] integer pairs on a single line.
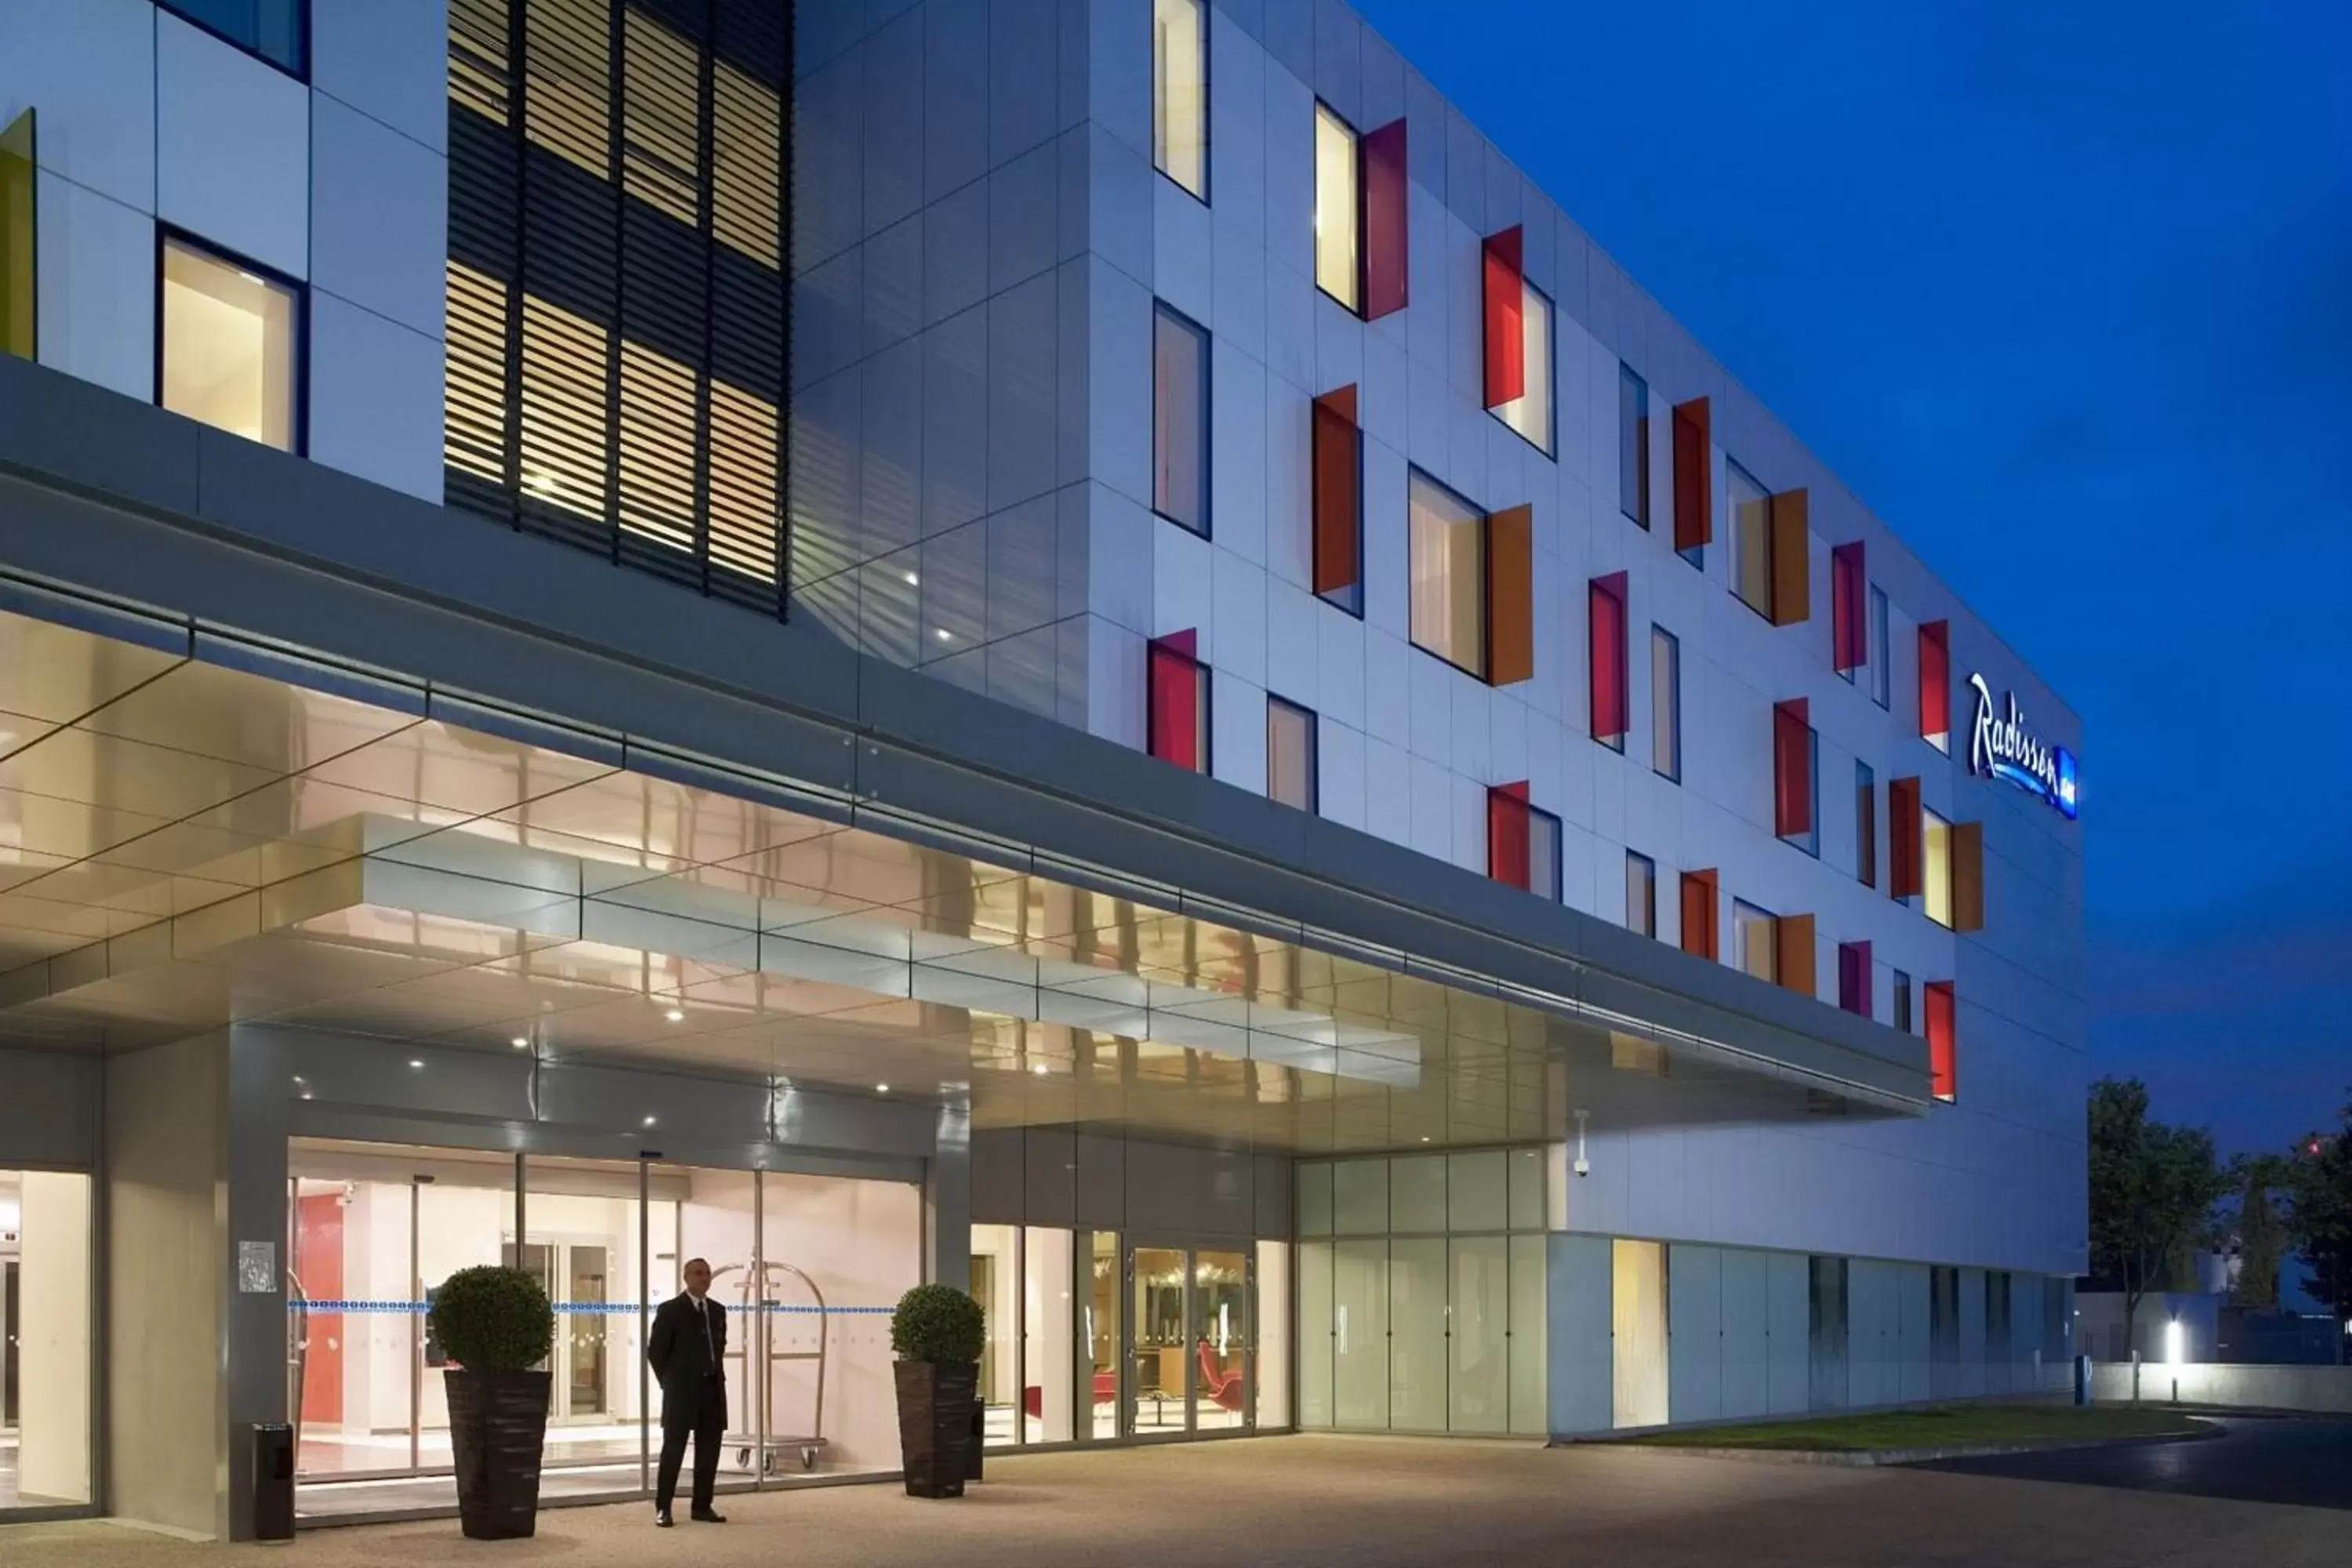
[[688, 1351]]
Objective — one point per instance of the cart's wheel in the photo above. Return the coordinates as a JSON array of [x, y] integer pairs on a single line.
[[808, 1458], [768, 1463], [743, 1458]]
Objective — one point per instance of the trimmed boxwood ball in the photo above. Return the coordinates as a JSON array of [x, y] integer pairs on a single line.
[[493, 1319], [938, 1323]]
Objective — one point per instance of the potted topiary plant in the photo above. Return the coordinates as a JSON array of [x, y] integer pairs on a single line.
[[492, 1326], [937, 1332]]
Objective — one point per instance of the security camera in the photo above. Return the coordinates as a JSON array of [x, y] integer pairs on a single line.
[[1583, 1166]]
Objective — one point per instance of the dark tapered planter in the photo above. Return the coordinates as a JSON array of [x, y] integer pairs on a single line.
[[497, 1425], [936, 1400]]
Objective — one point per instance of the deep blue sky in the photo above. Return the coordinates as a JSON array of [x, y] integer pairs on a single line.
[[2064, 292]]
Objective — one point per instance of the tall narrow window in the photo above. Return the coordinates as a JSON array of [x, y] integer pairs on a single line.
[[1936, 841], [1518, 341], [1901, 987], [1699, 896], [1865, 826], [1935, 684], [1640, 894], [1694, 480], [1665, 704], [1853, 977], [1506, 834], [1605, 626], [1290, 759], [1632, 446], [1338, 484], [1180, 420], [1849, 646], [1339, 232], [1755, 941], [1881, 682], [1904, 876], [1178, 703], [1943, 1041], [1447, 543], [1751, 539], [1796, 775], [20, 250], [230, 340], [1179, 93], [1543, 854]]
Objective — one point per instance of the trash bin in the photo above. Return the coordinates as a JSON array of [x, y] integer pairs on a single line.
[[273, 1481]]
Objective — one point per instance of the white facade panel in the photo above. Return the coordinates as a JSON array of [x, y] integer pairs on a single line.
[[379, 221], [97, 288], [88, 72], [391, 62], [376, 397], [232, 148]]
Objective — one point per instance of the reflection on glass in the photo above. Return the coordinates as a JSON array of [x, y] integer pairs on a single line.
[[45, 1355], [1417, 1367], [1638, 1316], [1221, 1322], [1337, 227], [1180, 79], [1102, 1332], [1360, 1334], [1156, 1400], [1751, 539], [1445, 538], [1270, 1335]]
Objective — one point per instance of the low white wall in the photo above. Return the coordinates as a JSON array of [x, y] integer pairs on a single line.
[[2315, 1388]]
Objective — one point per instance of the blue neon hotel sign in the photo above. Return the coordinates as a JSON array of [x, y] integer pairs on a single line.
[[2003, 748]]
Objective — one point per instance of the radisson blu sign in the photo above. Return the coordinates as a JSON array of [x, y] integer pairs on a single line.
[[2002, 747]]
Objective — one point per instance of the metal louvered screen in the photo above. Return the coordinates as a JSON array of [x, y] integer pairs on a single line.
[[617, 320]]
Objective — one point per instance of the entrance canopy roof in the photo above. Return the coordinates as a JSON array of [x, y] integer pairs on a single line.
[[187, 842]]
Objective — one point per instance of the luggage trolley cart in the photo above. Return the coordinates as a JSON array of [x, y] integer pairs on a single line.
[[754, 1305]]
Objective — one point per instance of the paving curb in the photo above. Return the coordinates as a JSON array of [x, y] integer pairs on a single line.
[[1870, 1458]]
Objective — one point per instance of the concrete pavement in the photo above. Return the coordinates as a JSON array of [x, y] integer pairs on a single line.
[[1343, 1502]]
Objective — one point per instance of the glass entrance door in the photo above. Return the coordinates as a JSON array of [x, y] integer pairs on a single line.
[[1191, 1341]]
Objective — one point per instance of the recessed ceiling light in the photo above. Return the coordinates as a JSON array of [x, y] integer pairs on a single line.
[[520, 1042], [649, 1121], [1424, 1138], [881, 1088], [676, 1014], [1039, 1070], [417, 1065], [300, 1079]]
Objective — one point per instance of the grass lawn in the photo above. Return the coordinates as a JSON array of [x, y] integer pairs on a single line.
[[1940, 1428]]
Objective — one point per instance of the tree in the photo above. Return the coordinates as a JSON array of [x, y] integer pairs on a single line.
[[2153, 1188], [2321, 1220], [2261, 1234]]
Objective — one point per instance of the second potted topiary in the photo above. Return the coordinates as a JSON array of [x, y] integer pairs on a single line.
[[937, 1332], [492, 1327]]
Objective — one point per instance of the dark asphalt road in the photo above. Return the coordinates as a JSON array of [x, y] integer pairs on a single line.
[[2258, 1460]]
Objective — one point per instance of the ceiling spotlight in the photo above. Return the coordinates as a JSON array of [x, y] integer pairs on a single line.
[[881, 1088], [649, 1121], [300, 1079], [676, 1014], [1039, 1070], [1424, 1137], [416, 1064], [520, 1042]]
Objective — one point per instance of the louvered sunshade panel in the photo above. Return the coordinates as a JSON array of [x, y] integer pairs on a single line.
[[616, 318]]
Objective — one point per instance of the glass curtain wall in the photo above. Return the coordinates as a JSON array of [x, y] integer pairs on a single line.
[[45, 1350], [1421, 1292], [807, 1269]]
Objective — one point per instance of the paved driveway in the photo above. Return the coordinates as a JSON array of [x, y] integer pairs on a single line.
[[2258, 1460], [1339, 1502]]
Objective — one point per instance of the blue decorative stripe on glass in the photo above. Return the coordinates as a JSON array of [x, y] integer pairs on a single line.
[[584, 1308]]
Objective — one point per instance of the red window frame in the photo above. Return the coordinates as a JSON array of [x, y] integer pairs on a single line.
[[1792, 768], [1506, 301], [1936, 683], [1853, 977], [1848, 632], [1943, 1041]]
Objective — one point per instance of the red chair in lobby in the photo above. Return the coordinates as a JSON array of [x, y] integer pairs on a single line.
[[1222, 1389]]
